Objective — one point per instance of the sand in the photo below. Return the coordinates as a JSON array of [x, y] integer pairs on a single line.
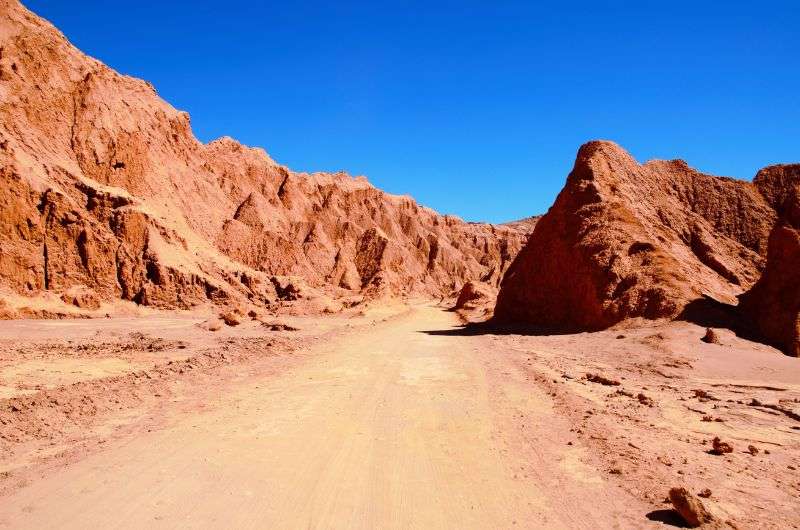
[[399, 418]]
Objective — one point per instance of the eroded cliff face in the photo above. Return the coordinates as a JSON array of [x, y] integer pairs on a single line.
[[626, 240], [104, 186], [772, 306]]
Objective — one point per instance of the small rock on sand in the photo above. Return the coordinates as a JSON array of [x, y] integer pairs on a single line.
[[230, 318], [710, 337], [601, 379], [689, 507], [719, 447], [279, 326], [212, 324]]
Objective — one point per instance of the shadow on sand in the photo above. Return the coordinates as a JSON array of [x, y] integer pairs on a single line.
[[493, 328], [668, 517], [710, 313], [705, 312]]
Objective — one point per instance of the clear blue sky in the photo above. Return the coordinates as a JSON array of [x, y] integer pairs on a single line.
[[473, 108]]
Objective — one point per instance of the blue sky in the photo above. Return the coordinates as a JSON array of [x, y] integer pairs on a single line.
[[473, 108]]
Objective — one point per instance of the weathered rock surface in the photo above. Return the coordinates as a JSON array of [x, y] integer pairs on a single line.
[[689, 507], [711, 336], [102, 184], [773, 304], [625, 240], [473, 294]]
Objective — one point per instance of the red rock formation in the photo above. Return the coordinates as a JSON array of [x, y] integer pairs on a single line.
[[629, 240], [473, 294], [103, 185], [773, 304], [780, 186]]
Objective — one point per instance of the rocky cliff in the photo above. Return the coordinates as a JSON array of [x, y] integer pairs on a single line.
[[626, 240], [103, 186], [772, 306]]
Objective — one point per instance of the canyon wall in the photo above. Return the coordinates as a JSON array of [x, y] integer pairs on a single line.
[[104, 188], [772, 306]]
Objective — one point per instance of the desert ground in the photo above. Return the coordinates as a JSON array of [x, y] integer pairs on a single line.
[[194, 335], [397, 416]]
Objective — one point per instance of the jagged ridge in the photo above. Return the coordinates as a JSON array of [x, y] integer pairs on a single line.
[[104, 185]]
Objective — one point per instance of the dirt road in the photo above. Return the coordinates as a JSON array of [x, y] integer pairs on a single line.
[[399, 426]]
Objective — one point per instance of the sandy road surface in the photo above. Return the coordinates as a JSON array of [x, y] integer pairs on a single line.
[[386, 428]]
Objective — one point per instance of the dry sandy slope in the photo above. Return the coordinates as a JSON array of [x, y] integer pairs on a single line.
[[390, 428]]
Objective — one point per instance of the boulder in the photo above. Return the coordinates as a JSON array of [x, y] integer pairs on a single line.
[[689, 507]]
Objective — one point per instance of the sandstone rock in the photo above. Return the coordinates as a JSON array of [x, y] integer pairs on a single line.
[[710, 337], [370, 257], [81, 297], [279, 326], [718, 447], [780, 186], [473, 293], [103, 184], [601, 379], [212, 324], [6, 313], [645, 400], [288, 288], [625, 240], [773, 304], [689, 507], [231, 318]]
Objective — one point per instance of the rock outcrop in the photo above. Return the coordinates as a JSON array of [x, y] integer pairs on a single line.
[[772, 306], [103, 185], [626, 240], [474, 294]]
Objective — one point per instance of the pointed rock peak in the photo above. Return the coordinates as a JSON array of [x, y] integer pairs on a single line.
[[601, 148], [600, 158], [629, 240]]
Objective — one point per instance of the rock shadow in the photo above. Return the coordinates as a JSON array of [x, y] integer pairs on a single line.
[[669, 517], [705, 312], [491, 327], [711, 313]]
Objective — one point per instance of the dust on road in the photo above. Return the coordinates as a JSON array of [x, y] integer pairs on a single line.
[[390, 427]]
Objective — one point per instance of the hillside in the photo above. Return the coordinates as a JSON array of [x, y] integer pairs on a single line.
[[106, 191], [627, 240]]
